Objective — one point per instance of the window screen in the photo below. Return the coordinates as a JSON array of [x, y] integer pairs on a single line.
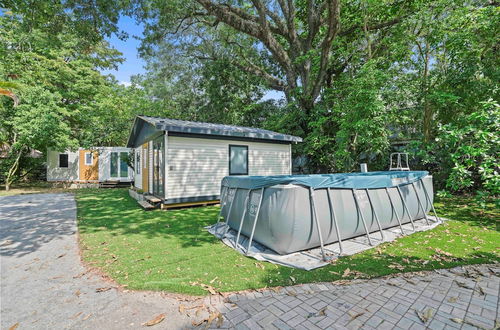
[[88, 158], [238, 160], [63, 160]]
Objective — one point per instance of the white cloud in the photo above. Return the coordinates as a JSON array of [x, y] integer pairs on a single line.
[[125, 83]]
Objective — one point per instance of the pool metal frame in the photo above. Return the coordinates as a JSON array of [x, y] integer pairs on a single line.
[[332, 213]]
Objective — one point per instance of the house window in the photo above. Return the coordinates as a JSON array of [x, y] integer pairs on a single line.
[[238, 160], [89, 157], [63, 160], [138, 162]]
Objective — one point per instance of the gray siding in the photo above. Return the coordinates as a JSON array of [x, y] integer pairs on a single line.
[[196, 166]]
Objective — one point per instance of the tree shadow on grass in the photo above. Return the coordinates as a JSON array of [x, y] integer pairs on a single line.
[[116, 213], [465, 209]]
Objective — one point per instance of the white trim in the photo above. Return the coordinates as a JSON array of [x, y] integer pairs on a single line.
[[91, 158], [165, 165]]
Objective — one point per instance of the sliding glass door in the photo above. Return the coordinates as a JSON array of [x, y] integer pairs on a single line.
[[159, 167], [118, 168]]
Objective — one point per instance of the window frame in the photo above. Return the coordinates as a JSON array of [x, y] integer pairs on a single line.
[[59, 160], [229, 159], [91, 158]]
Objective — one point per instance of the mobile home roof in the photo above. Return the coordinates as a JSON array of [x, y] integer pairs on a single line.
[[209, 129]]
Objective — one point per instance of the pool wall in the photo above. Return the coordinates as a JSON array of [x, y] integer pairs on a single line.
[[286, 221]]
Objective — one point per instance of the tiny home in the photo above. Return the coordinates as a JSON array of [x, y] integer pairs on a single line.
[[184, 162], [95, 165]]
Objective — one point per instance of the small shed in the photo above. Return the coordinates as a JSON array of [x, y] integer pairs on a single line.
[[183, 162], [94, 165]]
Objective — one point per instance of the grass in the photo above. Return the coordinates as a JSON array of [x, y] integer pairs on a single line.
[[171, 251]]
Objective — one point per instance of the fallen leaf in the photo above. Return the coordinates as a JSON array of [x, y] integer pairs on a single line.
[[86, 317], [481, 290], [198, 323], [424, 316], [208, 288], [457, 320], [78, 293], [102, 289], [60, 256], [259, 265], [354, 315], [155, 321], [452, 299], [463, 285], [346, 272], [182, 309], [292, 293], [322, 312], [14, 326], [220, 320], [292, 278], [211, 318], [212, 281]]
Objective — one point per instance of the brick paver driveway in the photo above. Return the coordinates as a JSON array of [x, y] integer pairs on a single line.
[[459, 298]]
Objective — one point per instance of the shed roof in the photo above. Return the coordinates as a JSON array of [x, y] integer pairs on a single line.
[[199, 128]]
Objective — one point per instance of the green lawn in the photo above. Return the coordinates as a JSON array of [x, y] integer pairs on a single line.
[[170, 250]]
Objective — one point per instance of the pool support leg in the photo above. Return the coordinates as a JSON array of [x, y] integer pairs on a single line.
[[229, 212], [362, 216], [420, 204], [222, 198], [376, 216], [334, 218], [429, 201], [242, 219], [406, 207], [395, 211], [315, 215], [255, 220]]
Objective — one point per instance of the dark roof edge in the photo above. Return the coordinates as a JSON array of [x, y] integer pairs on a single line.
[[221, 132]]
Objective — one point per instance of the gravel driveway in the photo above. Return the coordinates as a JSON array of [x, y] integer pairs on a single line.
[[43, 283]]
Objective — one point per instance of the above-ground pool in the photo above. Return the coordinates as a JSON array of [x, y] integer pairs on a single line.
[[299, 212]]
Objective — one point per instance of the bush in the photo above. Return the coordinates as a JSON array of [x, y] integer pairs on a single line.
[[466, 151]]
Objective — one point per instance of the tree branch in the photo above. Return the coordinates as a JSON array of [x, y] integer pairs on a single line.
[[333, 28]]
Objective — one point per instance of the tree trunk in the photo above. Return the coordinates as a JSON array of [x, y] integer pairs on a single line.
[[427, 115], [12, 171]]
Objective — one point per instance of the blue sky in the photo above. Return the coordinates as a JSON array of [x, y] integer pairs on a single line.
[[133, 64]]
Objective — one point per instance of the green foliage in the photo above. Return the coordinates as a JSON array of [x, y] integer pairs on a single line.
[[64, 101], [466, 151]]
